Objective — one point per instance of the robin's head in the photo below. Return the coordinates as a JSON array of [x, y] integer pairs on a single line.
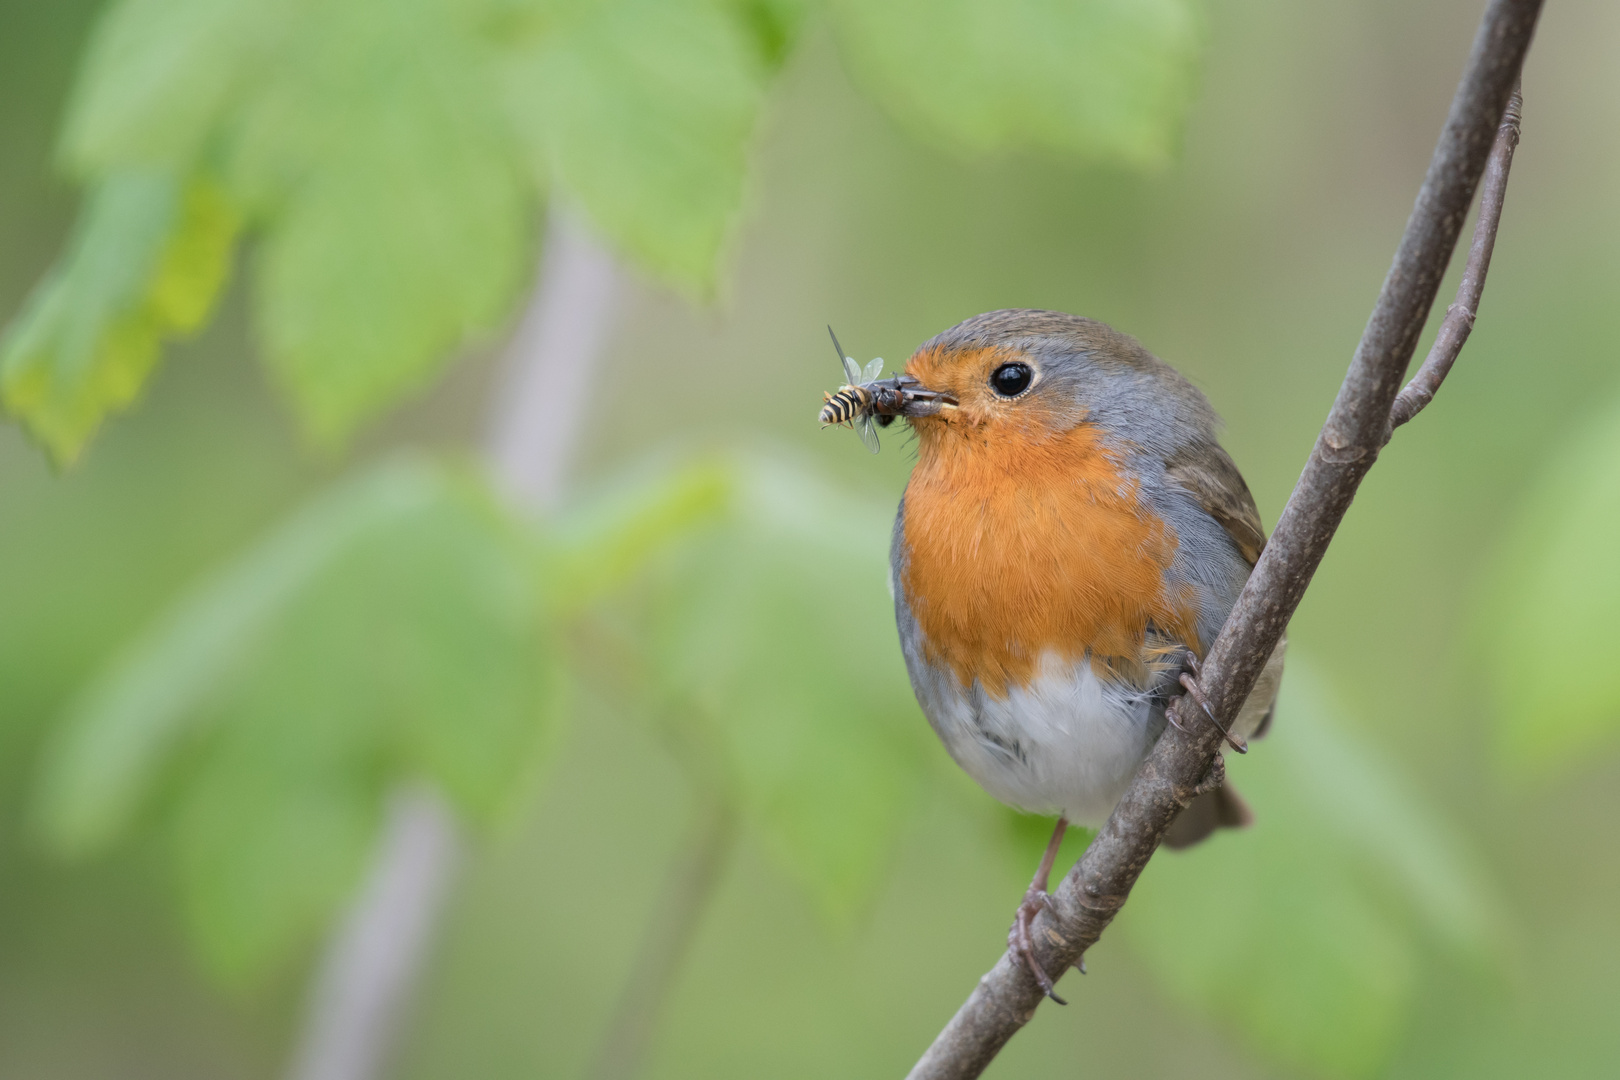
[[1031, 375]]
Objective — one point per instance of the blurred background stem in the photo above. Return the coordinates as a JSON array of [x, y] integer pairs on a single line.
[[375, 957], [372, 962], [678, 911]]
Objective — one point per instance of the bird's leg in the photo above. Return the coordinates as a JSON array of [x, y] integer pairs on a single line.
[[1190, 684], [1036, 897]]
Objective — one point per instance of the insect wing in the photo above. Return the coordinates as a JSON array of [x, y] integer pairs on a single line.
[[867, 430], [852, 371], [872, 370]]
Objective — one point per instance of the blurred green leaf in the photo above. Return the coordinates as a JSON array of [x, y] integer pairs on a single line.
[[1555, 586], [643, 110], [393, 629], [772, 25], [1307, 932], [159, 75], [378, 146], [397, 219], [775, 630], [107, 754], [366, 139], [271, 836], [1104, 79], [602, 542], [145, 265]]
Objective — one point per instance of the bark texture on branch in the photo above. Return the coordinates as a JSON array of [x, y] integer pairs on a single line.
[[1357, 428]]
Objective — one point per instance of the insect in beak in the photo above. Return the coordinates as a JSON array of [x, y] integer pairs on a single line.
[[866, 401]]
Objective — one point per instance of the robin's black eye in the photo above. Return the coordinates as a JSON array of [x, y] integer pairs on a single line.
[[1010, 380]]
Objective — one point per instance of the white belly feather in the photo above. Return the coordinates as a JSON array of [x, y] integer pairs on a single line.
[[1067, 743]]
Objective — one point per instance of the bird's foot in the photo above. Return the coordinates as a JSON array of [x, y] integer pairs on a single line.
[[1022, 945], [1190, 684]]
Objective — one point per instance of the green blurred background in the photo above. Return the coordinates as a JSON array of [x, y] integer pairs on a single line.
[[1250, 262]]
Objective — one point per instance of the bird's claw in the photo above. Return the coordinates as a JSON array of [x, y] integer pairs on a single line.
[[1190, 685], [1022, 945]]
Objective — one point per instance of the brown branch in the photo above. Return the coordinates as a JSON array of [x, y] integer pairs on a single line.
[[1459, 321], [1357, 428]]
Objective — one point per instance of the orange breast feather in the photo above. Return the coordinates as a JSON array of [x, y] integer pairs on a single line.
[[1021, 546]]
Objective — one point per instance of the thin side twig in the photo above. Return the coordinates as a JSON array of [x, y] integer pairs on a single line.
[[1459, 321], [1356, 429]]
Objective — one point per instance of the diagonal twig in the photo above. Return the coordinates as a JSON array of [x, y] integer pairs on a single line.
[[1357, 428]]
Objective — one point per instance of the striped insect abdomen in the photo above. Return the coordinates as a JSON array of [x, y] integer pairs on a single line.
[[844, 406]]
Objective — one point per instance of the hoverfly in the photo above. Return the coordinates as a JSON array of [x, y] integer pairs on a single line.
[[857, 402], [867, 400]]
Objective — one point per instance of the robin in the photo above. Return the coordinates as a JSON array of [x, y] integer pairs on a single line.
[[1070, 541]]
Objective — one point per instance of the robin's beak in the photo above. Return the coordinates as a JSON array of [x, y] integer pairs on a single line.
[[913, 399]]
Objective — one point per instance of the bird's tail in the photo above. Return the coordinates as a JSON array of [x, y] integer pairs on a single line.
[[1222, 808]]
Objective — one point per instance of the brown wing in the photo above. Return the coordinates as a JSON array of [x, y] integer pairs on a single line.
[[1209, 474]]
